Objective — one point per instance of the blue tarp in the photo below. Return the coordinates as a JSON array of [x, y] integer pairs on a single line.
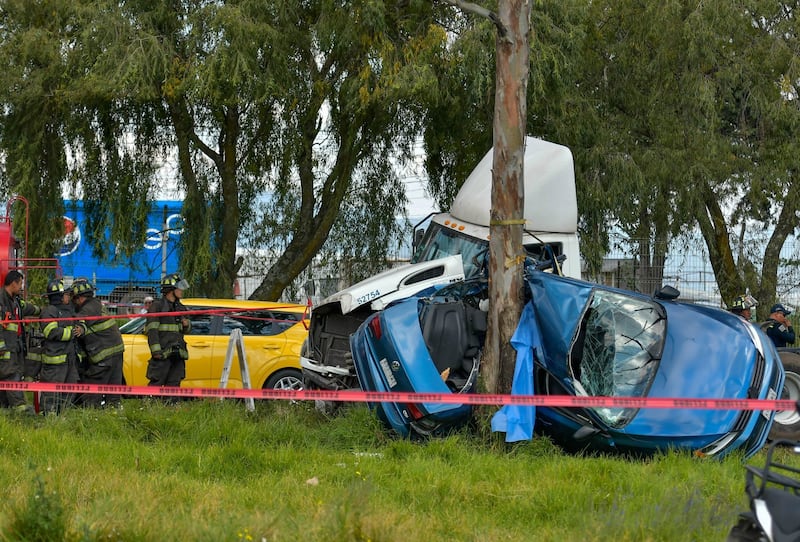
[[516, 421]]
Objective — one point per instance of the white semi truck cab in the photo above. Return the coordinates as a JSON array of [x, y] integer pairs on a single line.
[[448, 252], [551, 211]]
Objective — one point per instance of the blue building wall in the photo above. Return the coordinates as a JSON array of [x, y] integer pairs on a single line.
[[113, 276]]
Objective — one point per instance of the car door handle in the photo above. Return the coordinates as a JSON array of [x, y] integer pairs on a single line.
[[272, 347], [201, 345]]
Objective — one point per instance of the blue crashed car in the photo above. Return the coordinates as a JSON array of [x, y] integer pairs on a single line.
[[594, 341]]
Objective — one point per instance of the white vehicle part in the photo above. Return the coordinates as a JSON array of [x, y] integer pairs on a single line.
[[551, 203], [398, 283], [311, 365], [764, 517]]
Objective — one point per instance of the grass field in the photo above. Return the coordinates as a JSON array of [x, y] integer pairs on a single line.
[[208, 470]]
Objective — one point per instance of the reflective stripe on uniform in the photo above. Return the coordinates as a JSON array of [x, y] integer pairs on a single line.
[[66, 333], [159, 326], [99, 326], [100, 355], [54, 360]]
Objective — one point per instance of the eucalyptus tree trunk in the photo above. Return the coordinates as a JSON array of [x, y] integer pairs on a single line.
[[506, 257]]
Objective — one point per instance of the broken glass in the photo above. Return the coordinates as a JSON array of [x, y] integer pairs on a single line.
[[617, 349]]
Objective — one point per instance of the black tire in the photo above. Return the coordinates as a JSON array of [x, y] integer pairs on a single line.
[[787, 422], [285, 379]]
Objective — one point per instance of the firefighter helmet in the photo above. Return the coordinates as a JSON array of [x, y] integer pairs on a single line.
[[55, 287], [744, 302], [82, 287], [172, 282]]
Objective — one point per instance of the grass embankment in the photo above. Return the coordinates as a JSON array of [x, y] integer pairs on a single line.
[[207, 470]]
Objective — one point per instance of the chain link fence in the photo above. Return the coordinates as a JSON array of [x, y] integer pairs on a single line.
[[685, 265]]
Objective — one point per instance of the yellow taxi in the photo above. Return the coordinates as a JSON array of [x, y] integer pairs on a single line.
[[272, 335]]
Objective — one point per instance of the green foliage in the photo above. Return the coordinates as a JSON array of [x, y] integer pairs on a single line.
[[686, 122], [290, 123], [42, 518], [280, 115], [678, 114], [209, 470]]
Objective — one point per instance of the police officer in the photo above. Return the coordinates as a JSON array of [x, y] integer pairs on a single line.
[[778, 327], [743, 305], [165, 331], [102, 343], [59, 351], [12, 338]]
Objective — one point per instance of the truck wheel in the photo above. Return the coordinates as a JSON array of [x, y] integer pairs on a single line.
[[285, 379], [787, 422]]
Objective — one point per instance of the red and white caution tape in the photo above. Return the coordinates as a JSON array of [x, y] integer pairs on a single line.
[[396, 397], [237, 312]]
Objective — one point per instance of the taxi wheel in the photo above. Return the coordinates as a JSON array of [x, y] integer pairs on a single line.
[[285, 379]]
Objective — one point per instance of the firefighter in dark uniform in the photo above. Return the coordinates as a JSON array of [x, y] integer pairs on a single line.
[[12, 351], [59, 350], [778, 327], [102, 344], [33, 352], [167, 366], [743, 306]]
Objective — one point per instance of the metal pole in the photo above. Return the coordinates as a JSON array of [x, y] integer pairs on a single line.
[[164, 237]]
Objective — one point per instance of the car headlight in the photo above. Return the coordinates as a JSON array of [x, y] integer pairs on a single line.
[[717, 446]]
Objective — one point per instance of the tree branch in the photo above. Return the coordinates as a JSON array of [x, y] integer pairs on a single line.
[[469, 7]]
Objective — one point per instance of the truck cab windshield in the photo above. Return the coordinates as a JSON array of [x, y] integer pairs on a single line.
[[440, 242]]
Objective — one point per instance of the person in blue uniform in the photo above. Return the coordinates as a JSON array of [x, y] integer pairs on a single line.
[[778, 327]]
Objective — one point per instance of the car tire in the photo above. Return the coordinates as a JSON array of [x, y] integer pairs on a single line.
[[285, 379], [787, 422]]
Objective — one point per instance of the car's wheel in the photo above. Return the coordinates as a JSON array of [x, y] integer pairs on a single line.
[[285, 379], [787, 422]]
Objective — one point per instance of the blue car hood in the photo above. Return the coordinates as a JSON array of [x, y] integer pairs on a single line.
[[708, 353]]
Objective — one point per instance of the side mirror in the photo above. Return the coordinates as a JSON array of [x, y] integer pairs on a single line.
[[667, 292], [418, 235]]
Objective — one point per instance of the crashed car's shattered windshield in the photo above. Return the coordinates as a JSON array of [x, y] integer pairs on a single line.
[[617, 349]]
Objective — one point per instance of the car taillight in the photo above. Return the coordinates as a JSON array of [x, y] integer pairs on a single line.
[[375, 326], [414, 410]]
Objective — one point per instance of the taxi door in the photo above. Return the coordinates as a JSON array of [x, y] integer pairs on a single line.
[[200, 342], [263, 346]]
